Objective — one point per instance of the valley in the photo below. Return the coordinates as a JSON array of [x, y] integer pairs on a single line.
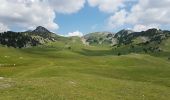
[[67, 69]]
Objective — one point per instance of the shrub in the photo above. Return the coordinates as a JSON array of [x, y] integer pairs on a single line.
[[145, 50], [69, 48], [168, 58], [132, 46], [119, 54]]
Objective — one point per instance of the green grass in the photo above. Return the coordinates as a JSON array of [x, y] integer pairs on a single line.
[[54, 72], [166, 45]]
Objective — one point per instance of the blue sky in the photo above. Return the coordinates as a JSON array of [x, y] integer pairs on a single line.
[[86, 20], [77, 17]]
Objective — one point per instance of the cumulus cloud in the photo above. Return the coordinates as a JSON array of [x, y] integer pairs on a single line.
[[27, 14], [139, 27], [76, 33], [108, 6], [66, 6], [150, 11], [144, 14], [117, 19]]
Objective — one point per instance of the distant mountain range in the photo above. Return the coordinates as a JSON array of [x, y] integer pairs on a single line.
[[127, 41], [125, 37], [28, 38], [149, 40]]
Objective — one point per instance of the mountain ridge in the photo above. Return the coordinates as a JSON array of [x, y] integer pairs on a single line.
[[41, 29], [41, 36], [29, 38]]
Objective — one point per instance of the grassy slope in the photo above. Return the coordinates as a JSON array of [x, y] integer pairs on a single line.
[[81, 73], [166, 45]]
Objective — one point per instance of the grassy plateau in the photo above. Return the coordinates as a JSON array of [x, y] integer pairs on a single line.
[[54, 72]]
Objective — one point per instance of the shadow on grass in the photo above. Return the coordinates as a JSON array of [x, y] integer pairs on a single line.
[[87, 52]]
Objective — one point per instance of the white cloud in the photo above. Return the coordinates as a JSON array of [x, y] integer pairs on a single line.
[[66, 6], [139, 28], [108, 6], [3, 28], [143, 14], [117, 19], [27, 14], [76, 33]]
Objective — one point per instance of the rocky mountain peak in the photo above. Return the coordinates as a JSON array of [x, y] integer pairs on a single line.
[[41, 29]]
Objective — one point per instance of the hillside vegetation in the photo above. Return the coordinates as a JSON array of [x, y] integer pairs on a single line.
[[66, 69], [36, 37]]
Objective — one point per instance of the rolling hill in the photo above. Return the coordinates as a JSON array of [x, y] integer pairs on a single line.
[[127, 41], [64, 68]]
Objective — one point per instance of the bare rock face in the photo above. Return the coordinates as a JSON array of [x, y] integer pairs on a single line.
[[98, 38], [41, 29]]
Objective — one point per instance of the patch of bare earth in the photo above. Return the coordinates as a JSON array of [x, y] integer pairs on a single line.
[[5, 83]]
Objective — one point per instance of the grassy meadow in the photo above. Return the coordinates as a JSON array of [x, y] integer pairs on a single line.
[[56, 72]]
